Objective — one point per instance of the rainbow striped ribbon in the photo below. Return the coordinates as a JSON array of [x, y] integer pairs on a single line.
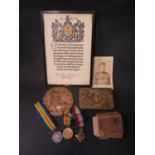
[[46, 118], [78, 116]]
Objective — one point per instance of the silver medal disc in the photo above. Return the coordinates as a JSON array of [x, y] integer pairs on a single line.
[[57, 137]]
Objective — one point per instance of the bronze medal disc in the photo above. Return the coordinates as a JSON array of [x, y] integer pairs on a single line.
[[67, 133], [58, 100]]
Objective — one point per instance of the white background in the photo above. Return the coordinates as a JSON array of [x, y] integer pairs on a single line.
[[9, 77], [145, 77]]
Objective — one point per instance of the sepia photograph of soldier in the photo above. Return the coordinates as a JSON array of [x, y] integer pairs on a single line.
[[102, 77], [103, 72]]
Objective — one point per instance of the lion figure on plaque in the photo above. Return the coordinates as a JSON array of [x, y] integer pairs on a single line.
[[72, 30]]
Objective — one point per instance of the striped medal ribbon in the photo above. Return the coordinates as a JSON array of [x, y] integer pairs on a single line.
[[67, 119], [67, 132], [80, 123], [48, 121]]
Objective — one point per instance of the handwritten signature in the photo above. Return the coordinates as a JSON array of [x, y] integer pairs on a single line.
[[66, 76]]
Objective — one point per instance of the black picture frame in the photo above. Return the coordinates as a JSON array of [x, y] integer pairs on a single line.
[[93, 12]]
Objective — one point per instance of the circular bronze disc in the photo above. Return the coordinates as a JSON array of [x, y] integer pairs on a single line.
[[67, 133], [58, 100]]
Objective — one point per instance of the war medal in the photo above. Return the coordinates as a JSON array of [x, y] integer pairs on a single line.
[[67, 132], [49, 122], [80, 136], [57, 137]]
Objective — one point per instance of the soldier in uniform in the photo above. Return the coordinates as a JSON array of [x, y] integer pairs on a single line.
[[102, 77]]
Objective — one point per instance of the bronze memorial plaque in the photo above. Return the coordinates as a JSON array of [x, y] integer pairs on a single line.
[[96, 98], [58, 100]]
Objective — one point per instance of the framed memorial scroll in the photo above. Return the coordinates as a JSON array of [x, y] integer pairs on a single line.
[[68, 46]]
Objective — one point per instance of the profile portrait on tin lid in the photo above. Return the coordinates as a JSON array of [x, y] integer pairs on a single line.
[[103, 71]]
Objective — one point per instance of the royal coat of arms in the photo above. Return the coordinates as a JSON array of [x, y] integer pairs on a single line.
[[71, 30]]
